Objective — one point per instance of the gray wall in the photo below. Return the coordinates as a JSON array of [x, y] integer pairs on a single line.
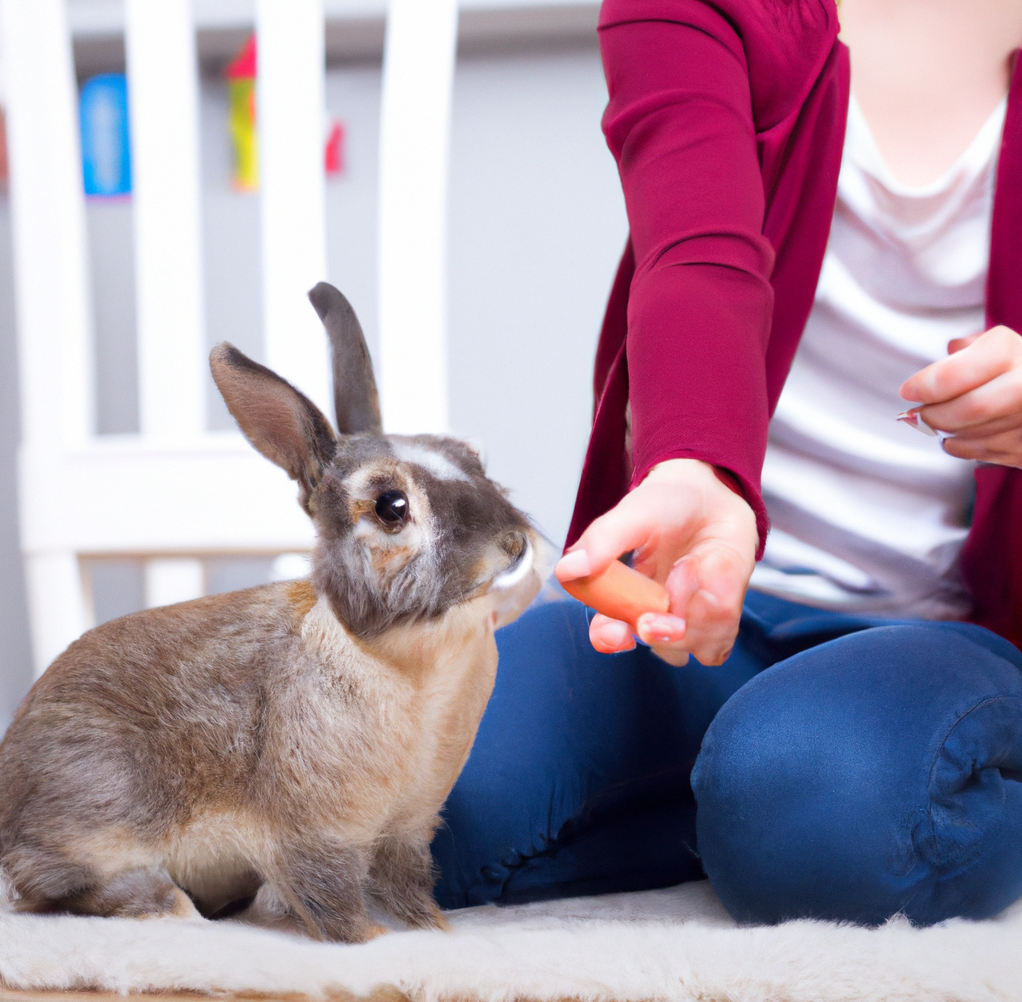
[[536, 226]]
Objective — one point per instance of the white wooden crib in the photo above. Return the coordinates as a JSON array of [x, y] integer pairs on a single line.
[[175, 492]]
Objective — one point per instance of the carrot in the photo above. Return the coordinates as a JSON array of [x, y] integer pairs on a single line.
[[620, 592]]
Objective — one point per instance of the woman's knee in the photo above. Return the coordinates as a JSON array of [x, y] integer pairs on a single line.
[[564, 726], [872, 775], [577, 746]]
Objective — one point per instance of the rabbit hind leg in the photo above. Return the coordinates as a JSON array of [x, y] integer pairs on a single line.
[[39, 880], [140, 893], [44, 880]]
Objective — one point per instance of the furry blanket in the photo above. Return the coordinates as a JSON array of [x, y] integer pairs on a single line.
[[675, 944]]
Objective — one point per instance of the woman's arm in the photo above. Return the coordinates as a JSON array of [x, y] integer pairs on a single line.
[[680, 124]]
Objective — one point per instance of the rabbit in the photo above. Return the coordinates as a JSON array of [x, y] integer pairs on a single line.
[[290, 744]]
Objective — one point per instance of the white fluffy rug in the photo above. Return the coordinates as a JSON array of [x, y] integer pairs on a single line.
[[676, 944]]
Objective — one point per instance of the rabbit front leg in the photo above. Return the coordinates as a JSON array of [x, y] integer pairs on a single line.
[[401, 880], [324, 885]]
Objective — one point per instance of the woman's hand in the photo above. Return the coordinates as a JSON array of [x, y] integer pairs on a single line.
[[975, 395], [692, 534]]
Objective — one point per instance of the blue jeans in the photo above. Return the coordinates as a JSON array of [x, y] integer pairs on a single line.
[[844, 768]]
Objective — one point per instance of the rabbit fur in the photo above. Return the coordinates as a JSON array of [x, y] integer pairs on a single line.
[[288, 747]]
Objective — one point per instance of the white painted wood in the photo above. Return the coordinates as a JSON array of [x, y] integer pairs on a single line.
[[418, 75], [172, 579], [105, 17], [48, 216], [57, 608], [163, 102], [51, 290], [218, 495], [290, 115]]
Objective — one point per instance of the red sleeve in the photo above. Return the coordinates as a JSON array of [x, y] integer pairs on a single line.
[[680, 124]]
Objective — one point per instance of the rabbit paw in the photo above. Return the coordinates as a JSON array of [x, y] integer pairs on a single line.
[[183, 908]]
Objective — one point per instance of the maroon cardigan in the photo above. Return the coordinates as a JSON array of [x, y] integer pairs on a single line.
[[727, 121]]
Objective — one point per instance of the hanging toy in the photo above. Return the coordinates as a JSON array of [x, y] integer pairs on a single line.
[[241, 93]]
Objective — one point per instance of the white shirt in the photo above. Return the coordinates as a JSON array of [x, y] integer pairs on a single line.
[[868, 514]]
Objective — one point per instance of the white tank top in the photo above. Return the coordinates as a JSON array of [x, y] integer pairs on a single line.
[[868, 514]]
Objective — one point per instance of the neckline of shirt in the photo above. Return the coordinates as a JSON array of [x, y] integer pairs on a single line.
[[861, 147]]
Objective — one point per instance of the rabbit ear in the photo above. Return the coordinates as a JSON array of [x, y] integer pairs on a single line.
[[355, 398], [282, 423]]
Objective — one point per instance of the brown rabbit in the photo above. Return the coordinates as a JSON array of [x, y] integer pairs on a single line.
[[297, 739]]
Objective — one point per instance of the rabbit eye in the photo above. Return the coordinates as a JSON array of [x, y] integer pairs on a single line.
[[392, 508]]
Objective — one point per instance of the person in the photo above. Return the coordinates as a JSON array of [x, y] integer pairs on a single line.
[[845, 741]]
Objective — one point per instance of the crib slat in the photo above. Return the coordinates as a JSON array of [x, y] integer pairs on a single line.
[[57, 606], [48, 214], [163, 102], [52, 300], [290, 115], [418, 75]]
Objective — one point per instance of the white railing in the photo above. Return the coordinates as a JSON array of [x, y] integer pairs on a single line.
[[175, 492], [418, 76], [159, 44], [291, 190]]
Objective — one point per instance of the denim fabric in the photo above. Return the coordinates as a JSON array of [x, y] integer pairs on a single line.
[[851, 768]]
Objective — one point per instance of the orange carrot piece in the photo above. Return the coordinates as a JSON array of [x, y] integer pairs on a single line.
[[620, 592]]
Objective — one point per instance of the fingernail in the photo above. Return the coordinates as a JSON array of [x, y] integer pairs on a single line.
[[616, 633], [657, 628], [604, 647], [572, 565], [913, 420]]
